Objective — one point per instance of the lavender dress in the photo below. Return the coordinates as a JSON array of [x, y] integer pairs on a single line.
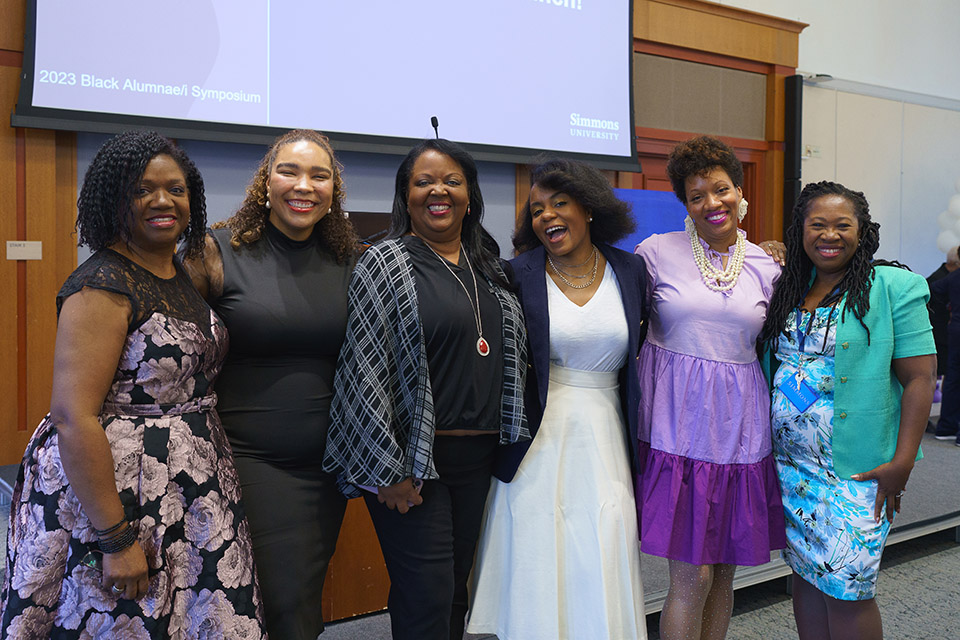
[[174, 475], [707, 489]]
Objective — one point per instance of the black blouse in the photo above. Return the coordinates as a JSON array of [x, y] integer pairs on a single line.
[[466, 386]]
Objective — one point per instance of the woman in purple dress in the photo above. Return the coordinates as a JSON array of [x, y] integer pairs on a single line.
[[126, 518], [707, 491]]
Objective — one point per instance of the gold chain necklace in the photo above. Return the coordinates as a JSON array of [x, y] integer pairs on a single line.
[[593, 274]]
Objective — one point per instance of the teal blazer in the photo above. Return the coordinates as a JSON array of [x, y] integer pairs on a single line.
[[866, 401]]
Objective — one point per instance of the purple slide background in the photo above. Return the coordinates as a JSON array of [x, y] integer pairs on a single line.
[[500, 72]]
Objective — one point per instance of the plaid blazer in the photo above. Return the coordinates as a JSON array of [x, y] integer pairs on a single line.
[[382, 420]]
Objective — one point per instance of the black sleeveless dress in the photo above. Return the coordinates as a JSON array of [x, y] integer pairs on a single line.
[[175, 479], [285, 305]]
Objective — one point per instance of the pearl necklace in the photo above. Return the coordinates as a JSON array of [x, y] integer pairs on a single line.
[[593, 274], [715, 279]]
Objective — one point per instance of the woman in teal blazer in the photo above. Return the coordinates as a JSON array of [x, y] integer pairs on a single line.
[[852, 384]]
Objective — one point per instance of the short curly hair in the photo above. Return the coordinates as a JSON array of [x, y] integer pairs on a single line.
[[110, 189], [697, 157], [585, 184], [336, 232]]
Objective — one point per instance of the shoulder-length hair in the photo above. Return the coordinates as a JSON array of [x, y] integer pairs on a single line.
[[480, 246], [335, 231], [110, 189], [592, 191]]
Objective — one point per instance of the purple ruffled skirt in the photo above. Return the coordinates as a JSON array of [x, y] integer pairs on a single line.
[[707, 489]]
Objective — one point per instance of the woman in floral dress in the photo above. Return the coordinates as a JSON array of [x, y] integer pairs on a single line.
[[126, 518], [851, 397]]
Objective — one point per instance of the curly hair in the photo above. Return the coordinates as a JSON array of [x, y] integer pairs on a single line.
[[480, 246], [335, 230], [110, 189], [591, 190], [697, 157], [794, 281]]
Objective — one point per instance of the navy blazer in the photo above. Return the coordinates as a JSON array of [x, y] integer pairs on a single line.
[[529, 278]]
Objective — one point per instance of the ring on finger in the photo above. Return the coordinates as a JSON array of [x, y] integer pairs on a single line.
[[116, 589]]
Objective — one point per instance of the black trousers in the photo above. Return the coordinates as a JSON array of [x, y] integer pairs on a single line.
[[950, 389], [429, 550]]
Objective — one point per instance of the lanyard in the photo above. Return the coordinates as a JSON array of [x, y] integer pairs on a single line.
[[802, 335]]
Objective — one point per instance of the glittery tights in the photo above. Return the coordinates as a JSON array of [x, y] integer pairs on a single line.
[[699, 602]]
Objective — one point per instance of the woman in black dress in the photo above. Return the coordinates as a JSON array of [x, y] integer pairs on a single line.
[[126, 518], [277, 273]]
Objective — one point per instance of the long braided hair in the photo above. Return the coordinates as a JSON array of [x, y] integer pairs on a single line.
[[795, 279]]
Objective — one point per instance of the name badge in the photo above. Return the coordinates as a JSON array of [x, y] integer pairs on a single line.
[[798, 392]]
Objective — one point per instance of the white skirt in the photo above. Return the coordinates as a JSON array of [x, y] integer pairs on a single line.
[[559, 555]]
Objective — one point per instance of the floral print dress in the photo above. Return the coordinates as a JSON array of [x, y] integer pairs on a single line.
[[833, 542], [174, 475]]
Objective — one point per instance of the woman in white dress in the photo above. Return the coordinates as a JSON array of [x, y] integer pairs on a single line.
[[559, 555]]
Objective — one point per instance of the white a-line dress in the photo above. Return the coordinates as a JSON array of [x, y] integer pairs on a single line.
[[559, 556]]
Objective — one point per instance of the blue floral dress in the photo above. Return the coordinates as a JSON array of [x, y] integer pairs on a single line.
[[833, 542]]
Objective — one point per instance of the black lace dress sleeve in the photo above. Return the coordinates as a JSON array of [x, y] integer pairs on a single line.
[[148, 294]]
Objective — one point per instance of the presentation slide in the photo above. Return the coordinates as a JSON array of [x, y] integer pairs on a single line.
[[535, 74]]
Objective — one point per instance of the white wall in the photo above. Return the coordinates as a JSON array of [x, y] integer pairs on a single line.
[[904, 157], [369, 179], [890, 124], [911, 45]]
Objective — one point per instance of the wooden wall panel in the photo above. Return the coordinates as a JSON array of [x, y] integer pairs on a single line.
[[728, 30], [357, 580], [50, 208], [12, 16], [41, 314], [38, 186], [11, 443]]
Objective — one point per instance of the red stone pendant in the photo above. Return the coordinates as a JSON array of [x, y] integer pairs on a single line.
[[482, 347]]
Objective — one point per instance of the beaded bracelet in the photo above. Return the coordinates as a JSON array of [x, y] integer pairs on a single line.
[[119, 542], [106, 532]]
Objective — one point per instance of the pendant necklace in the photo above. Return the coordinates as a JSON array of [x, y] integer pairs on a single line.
[[483, 347]]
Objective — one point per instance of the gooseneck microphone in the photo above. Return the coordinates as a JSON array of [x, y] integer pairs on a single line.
[[435, 123]]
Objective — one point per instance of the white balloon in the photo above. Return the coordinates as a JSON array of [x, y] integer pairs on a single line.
[[954, 206], [947, 240], [946, 220]]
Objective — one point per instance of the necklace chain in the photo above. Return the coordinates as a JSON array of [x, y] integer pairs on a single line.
[[593, 274], [483, 348], [574, 266], [715, 279], [559, 267]]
